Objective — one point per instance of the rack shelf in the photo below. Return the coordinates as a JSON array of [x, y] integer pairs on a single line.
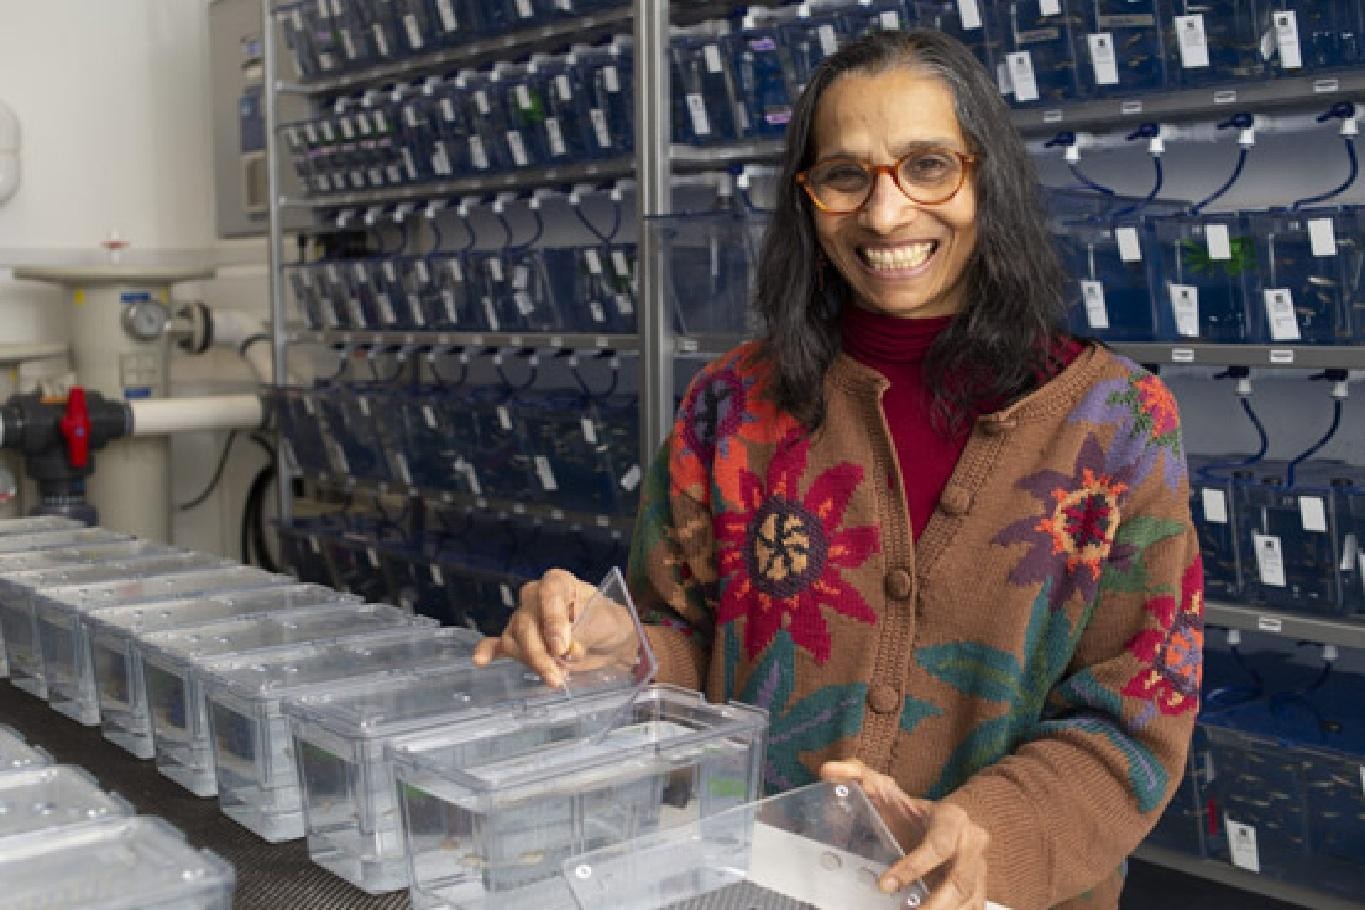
[[621, 523], [402, 340], [585, 171], [1346, 632], [583, 29], [1194, 104], [1319, 357], [1246, 881]]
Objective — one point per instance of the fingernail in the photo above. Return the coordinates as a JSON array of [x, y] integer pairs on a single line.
[[889, 885]]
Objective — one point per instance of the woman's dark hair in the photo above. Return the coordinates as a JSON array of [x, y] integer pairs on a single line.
[[996, 348]]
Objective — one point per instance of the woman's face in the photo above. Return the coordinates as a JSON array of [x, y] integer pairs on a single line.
[[900, 258]]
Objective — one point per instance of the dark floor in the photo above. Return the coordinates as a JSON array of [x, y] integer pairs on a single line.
[[280, 876]]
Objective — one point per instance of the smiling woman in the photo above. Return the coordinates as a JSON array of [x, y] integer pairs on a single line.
[[944, 544]]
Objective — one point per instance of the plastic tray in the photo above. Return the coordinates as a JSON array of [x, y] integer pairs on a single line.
[[51, 797]]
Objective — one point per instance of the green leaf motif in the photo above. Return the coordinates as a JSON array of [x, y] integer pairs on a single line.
[[813, 723], [914, 710], [973, 668], [1146, 776], [1130, 575], [987, 743]]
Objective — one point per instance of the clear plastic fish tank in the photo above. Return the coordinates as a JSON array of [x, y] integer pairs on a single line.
[[1299, 557], [135, 863], [258, 785], [17, 754], [710, 260], [1123, 52], [101, 549], [124, 718], [62, 633], [43, 799], [170, 676], [818, 847], [1202, 269], [19, 620], [1039, 58], [1216, 510], [1212, 42], [1108, 295], [350, 811], [492, 808], [1308, 269]]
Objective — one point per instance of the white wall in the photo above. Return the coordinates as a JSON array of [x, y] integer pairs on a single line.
[[113, 104]]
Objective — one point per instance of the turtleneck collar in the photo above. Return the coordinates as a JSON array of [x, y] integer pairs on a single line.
[[875, 338]]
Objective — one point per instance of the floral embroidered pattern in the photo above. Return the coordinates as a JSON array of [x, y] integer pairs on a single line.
[[1148, 419], [1172, 653], [1074, 535], [809, 725], [780, 554]]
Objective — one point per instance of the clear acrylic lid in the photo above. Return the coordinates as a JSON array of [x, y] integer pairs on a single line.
[[46, 540], [528, 744], [251, 633], [609, 666], [119, 864], [179, 580], [43, 798], [10, 526], [112, 573], [168, 614], [85, 553], [819, 847], [15, 753], [279, 671]]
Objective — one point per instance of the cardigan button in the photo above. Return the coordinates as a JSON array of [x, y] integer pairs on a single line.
[[899, 585], [955, 500], [883, 699], [997, 426]]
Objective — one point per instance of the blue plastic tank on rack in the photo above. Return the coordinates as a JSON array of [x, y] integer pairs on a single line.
[[1202, 269], [1210, 42], [706, 102], [1308, 266], [1038, 64], [608, 79], [763, 72], [1123, 51]]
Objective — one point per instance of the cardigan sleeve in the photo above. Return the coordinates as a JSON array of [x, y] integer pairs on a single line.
[[671, 576], [1085, 785]]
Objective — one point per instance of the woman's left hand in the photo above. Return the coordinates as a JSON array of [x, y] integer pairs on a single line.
[[943, 845]]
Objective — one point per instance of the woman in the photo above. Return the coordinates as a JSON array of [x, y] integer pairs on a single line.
[[946, 546]]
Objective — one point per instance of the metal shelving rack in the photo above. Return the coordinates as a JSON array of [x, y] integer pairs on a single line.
[[379, 78]]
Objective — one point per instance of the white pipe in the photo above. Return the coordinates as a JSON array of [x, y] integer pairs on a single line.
[[159, 416], [9, 153]]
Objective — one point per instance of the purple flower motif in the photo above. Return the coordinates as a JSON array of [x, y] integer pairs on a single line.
[[1072, 536], [1148, 423]]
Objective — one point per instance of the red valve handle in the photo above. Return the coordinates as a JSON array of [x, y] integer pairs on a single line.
[[75, 427]]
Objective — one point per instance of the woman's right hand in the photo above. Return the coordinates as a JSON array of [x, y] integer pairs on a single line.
[[542, 635]]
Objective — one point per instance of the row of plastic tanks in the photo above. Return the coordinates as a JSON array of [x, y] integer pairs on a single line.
[[1273, 783], [1045, 51], [563, 448], [65, 842], [709, 260], [335, 36], [1265, 277], [300, 707], [464, 569], [577, 289], [1292, 544], [551, 110]]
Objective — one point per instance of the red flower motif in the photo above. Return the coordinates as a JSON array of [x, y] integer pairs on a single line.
[[1172, 654], [781, 553], [1157, 402]]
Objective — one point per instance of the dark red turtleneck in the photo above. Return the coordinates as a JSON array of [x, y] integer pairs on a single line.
[[896, 348]]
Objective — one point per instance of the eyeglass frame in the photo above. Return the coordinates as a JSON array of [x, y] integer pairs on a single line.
[[966, 161]]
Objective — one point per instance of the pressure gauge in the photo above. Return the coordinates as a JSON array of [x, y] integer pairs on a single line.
[[145, 320]]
